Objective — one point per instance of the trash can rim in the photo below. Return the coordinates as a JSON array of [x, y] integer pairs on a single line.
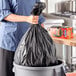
[[37, 68]]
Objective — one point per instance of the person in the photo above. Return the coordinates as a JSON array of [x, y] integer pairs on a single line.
[[15, 19]]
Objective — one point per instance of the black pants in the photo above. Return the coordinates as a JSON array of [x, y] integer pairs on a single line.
[[6, 62]]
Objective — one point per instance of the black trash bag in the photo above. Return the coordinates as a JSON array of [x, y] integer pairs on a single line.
[[36, 48]]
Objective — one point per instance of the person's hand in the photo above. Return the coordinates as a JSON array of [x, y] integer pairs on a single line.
[[33, 19]]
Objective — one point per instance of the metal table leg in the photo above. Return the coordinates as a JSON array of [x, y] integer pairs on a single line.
[[64, 54], [67, 67]]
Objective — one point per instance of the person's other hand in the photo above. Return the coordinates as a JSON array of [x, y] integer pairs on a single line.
[[33, 19]]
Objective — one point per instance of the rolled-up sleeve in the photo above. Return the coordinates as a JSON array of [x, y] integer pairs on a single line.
[[41, 19], [4, 9]]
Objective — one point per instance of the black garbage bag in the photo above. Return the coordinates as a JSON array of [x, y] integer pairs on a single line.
[[36, 48]]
